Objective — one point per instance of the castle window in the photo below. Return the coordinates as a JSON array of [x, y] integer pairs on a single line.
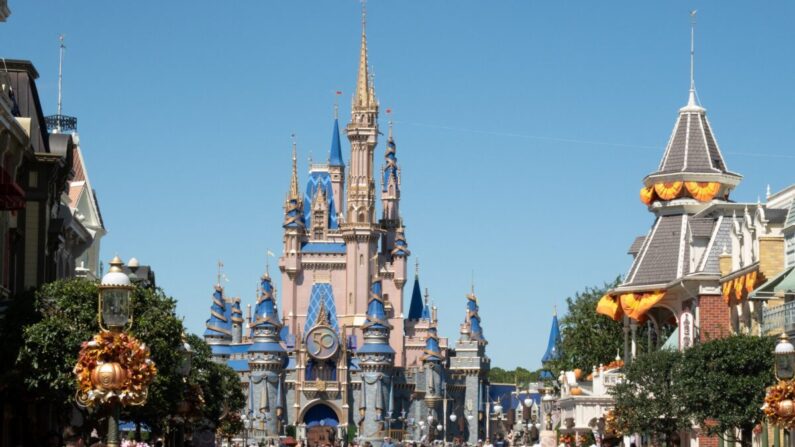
[[361, 259]]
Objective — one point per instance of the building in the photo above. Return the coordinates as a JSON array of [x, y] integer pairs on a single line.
[[345, 356]]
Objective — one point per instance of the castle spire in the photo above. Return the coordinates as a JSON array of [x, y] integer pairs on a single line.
[[362, 98], [294, 178]]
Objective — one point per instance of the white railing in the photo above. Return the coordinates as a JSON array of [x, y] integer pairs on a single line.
[[779, 318]]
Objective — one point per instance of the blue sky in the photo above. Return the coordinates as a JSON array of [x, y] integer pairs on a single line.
[[524, 129]]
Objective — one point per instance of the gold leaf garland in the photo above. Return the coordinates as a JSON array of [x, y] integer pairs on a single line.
[[779, 404], [130, 354]]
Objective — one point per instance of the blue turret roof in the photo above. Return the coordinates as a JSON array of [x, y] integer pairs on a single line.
[[335, 155], [376, 315], [432, 352], [401, 246], [266, 325], [237, 314], [553, 351], [376, 327], [220, 321], [475, 330], [390, 167], [415, 309], [266, 313]]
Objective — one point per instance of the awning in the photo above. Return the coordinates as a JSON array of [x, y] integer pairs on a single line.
[[779, 286], [12, 197]]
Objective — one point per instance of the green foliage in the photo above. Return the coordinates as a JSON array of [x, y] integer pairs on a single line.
[[352, 432], [647, 401], [68, 317], [223, 396], [722, 383], [587, 338], [518, 375]]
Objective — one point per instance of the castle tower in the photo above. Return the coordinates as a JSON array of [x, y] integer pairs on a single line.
[[293, 222], [434, 377], [237, 321], [267, 359], [376, 359], [471, 362], [553, 349], [336, 168], [390, 188], [363, 135], [359, 230], [219, 325]]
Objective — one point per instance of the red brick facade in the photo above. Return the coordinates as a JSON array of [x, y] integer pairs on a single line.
[[714, 317]]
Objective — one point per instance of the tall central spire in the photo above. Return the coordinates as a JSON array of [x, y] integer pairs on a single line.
[[294, 177], [362, 85], [691, 101]]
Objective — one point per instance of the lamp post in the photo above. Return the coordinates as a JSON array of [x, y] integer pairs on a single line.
[[186, 352], [546, 402], [114, 314]]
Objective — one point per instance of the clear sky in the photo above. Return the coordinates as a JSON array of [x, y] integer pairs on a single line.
[[524, 129]]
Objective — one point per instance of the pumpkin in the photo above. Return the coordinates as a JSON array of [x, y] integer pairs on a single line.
[[109, 376]]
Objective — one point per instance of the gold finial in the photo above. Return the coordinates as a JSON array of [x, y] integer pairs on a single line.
[[294, 179], [362, 85], [322, 315], [116, 264]]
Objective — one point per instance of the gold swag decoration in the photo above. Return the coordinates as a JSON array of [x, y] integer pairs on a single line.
[[780, 404], [668, 190], [113, 367], [703, 191], [647, 194]]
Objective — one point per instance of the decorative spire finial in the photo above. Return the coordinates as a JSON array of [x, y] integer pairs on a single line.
[[426, 296], [62, 47], [417, 266], [472, 284], [555, 310], [692, 98], [220, 272], [362, 98], [294, 178], [337, 104], [389, 114]]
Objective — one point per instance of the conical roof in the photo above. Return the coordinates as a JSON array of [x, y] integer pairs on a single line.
[[553, 345]]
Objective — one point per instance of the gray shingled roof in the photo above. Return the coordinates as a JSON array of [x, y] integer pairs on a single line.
[[692, 147], [701, 227], [722, 239], [658, 260], [776, 215], [637, 244]]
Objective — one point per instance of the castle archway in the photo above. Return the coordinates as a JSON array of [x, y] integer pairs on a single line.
[[321, 421]]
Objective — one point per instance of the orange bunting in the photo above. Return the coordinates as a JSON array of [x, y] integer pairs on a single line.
[[739, 282], [647, 194], [750, 281], [608, 306], [703, 191], [668, 190], [727, 291]]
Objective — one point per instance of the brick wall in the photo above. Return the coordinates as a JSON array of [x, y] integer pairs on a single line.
[[714, 318], [707, 441]]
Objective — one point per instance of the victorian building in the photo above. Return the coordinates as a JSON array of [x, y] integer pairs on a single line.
[[345, 358]]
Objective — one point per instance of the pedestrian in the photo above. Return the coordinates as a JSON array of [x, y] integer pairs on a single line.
[[71, 437], [388, 442], [487, 444]]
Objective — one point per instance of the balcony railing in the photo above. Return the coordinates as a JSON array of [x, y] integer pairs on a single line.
[[779, 319]]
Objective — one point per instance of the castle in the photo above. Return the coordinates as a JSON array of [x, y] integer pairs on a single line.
[[344, 359]]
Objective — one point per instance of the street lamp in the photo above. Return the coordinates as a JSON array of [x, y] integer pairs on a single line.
[[546, 402], [114, 313], [785, 358], [453, 417], [186, 354]]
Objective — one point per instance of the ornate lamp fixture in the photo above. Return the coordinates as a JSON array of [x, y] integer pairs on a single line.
[[114, 298]]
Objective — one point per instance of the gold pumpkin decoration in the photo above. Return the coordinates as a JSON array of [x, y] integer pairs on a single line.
[[668, 190], [108, 376], [576, 391], [780, 404], [577, 373]]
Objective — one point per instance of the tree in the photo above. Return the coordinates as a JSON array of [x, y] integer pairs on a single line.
[[722, 384], [587, 338], [518, 375], [223, 396], [647, 400]]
